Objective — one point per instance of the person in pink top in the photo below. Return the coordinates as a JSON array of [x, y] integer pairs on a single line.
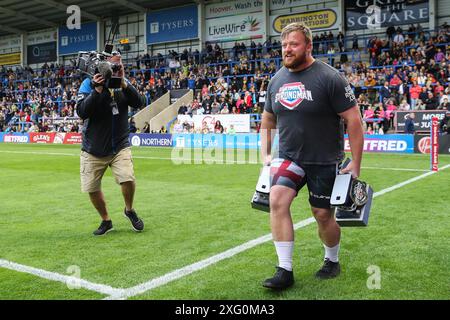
[[390, 112], [368, 115]]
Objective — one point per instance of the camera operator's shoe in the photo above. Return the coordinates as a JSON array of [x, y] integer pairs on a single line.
[[282, 279], [104, 228], [136, 223], [329, 270]]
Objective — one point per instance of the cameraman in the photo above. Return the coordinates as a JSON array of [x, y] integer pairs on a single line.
[[105, 142]]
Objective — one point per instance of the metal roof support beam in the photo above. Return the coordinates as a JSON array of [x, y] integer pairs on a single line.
[[131, 5], [28, 17], [12, 30]]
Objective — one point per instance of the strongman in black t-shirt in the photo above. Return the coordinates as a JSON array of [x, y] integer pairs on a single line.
[[308, 102]]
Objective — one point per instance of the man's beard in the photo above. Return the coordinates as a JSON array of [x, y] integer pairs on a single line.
[[296, 62]]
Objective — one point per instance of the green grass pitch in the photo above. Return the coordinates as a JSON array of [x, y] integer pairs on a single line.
[[193, 212]]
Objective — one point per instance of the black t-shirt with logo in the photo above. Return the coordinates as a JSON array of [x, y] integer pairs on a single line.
[[306, 105]]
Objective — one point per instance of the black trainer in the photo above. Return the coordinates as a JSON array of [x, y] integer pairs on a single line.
[[282, 279], [136, 223], [329, 270], [105, 227]]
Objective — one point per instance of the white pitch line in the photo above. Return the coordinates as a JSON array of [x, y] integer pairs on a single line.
[[401, 184], [182, 159], [53, 276], [395, 169], [182, 272], [115, 293]]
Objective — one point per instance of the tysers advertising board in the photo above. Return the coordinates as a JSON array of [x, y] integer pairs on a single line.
[[151, 140], [369, 14], [72, 41], [173, 24], [386, 143], [235, 141], [42, 52]]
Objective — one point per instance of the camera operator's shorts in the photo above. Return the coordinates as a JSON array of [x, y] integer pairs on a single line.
[[92, 169], [318, 178]]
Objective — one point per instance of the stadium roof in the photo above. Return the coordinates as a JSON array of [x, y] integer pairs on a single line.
[[20, 16]]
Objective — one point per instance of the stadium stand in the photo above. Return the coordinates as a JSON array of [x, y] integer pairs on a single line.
[[402, 71]]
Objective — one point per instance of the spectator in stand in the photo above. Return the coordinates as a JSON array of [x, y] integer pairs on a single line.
[[231, 129], [431, 102], [368, 116], [445, 105], [218, 128], [423, 94], [355, 46], [404, 106], [390, 113], [414, 92], [385, 92], [146, 128], [399, 39]]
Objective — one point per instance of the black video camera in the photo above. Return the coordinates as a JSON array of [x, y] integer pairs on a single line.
[[93, 62]]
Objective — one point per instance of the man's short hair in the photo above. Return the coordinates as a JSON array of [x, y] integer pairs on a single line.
[[297, 26]]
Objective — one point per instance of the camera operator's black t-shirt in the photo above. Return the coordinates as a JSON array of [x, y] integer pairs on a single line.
[[306, 105]]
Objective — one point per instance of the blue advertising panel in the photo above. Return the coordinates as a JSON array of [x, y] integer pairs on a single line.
[[151, 140], [16, 137], [403, 143], [72, 41], [173, 24], [228, 141]]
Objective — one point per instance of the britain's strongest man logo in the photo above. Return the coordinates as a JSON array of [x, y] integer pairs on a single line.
[[291, 95]]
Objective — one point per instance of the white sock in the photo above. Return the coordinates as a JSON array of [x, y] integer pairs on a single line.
[[332, 253], [284, 252]]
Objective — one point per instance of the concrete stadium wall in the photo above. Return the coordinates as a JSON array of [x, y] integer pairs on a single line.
[[170, 112], [146, 114]]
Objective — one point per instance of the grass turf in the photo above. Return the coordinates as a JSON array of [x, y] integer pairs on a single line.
[[195, 211]]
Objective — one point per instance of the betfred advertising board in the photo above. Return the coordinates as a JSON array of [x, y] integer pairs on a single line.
[[16, 138], [386, 143]]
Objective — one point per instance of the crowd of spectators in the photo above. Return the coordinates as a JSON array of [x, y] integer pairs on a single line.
[[405, 70]]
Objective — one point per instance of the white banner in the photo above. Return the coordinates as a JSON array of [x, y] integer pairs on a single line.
[[241, 122], [49, 35], [284, 4], [218, 10], [9, 43], [235, 28]]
